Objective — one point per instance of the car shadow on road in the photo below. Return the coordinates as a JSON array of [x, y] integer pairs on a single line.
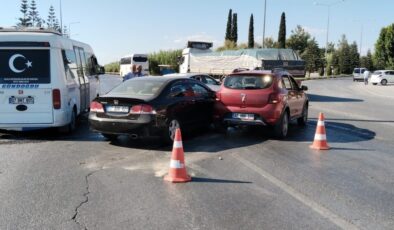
[[210, 180], [82, 133], [323, 98], [336, 132]]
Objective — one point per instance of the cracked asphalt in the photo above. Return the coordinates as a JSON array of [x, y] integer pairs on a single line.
[[242, 180]]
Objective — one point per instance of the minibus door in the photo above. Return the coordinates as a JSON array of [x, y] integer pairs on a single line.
[[81, 80]]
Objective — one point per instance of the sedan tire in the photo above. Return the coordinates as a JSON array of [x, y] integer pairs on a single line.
[[302, 121], [110, 137], [384, 82], [282, 127], [169, 134]]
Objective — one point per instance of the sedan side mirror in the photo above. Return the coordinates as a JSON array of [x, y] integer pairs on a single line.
[[304, 88]]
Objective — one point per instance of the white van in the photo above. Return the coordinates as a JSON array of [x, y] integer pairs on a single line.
[[135, 59], [46, 80]]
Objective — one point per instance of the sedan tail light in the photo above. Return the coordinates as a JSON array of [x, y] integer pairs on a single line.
[[142, 109], [96, 107], [273, 98]]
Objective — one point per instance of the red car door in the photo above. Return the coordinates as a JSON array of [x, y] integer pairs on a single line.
[[291, 95]]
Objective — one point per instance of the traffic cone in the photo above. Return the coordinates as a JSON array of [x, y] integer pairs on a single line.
[[320, 142], [177, 172]]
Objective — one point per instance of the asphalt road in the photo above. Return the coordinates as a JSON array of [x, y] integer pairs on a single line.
[[242, 180]]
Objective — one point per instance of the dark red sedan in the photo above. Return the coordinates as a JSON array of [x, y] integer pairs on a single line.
[[261, 98]]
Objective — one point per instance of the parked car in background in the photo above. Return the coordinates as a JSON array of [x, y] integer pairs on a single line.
[[382, 77], [152, 106], [205, 78], [261, 98], [358, 74]]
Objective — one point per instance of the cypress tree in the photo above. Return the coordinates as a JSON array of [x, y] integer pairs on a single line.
[[229, 25], [251, 33], [52, 22], [51, 17], [234, 29], [34, 15], [24, 21], [282, 32]]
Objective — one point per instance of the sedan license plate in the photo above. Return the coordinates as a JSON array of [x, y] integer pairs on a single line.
[[117, 109], [21, 100], [244, 116]]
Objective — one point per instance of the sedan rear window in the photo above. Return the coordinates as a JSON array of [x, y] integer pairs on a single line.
[[248, 81], [138, 88]]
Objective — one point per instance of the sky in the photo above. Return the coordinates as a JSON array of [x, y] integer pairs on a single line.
[[119, 27]]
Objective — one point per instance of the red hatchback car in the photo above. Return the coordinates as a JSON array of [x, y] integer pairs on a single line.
[[261, 98]]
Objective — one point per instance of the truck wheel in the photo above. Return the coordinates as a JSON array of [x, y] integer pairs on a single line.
[[282, 127]]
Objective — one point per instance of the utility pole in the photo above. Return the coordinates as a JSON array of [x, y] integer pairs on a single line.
[[61, 18], [328, 27], [265, 12]]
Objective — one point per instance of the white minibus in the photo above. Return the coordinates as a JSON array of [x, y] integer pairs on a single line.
[[46, 80], [127, 62]]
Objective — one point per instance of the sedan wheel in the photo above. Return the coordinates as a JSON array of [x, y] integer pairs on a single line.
[[282, 127], [110, 137], [384, 82], [173, 125], [302, 121]]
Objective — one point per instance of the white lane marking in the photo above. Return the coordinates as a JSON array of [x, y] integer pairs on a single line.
[[178, 144], [176, 164], [334, 218], [320, 137]]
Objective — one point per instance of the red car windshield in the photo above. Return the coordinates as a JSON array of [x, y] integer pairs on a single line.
[[248, 81]]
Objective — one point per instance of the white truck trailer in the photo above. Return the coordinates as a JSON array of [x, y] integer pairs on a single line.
[[198, 57]]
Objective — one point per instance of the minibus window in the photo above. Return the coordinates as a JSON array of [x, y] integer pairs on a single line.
[[69, 61], [24, 66]]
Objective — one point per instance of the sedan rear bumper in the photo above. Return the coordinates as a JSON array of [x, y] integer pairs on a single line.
[[141, 127]]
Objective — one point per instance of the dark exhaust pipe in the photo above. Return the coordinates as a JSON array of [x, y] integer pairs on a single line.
[[134, 136]]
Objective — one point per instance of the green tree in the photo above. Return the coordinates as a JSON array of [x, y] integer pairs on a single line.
[[251, 33], [229, 25], [282, 32], [163, 57], [367, 61], [312, 56], [298, 39], [25, 20], [52, 22], [384, 48], [228, 45], [234, 29], [354, 56], [344, 60], [270, 43], [34, 15]]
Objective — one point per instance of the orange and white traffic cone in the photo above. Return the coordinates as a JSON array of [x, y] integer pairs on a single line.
[[320, 142], [177, 172]]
